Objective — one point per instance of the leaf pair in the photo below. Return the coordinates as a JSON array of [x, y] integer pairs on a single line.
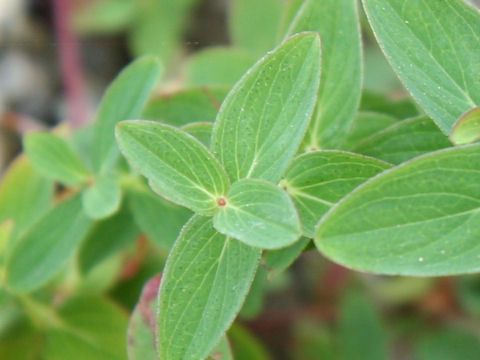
[[250, 142], [56, 160], [208, 272], [419, 218], [47, 239]]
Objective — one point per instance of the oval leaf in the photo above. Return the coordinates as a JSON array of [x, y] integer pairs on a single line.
[[123, 100], [263, 119], [259, 214], [41, 252], [143, 327], [434, 48], [318, 180], [25, 195], [421, 218], [404, 141], [102, 198], [340, 86], [206, 280], [55, 159], [467, 128], [180, 167]]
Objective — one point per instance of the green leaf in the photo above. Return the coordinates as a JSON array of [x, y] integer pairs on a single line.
[[449, 344], [41, 252], [366, 124], [186, 106], [105, 16], [361, 335], [102, 278], [259, 214], [179, 167], [123, 100], [433, 47], [381, 103], [318, 180], [217, 66], [467, 128], [106, 237], [143, 325], [82, 143], [263, 119], [54, 158], [200, 130], [277, 261], [340, 86], [254, 24], [92, 328], [291, 9], [245, 345], [159, 219], [159, 27], [404, 140], [378, 75], [21, 342], [206, 280], [6, 230], [24, 194], [103, 197], [420, 218]]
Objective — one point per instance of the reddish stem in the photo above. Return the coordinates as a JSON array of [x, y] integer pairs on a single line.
[[72, 74]]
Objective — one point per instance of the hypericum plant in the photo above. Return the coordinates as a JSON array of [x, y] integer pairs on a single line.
[[287, 158]]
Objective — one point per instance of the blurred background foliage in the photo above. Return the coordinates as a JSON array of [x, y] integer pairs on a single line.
[[316, 309]]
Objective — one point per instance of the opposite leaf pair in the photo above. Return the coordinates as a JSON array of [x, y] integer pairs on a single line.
[[258, 131], [254, 211], [54, 158]]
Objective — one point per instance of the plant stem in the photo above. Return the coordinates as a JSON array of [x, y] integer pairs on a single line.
[[72, 74]]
